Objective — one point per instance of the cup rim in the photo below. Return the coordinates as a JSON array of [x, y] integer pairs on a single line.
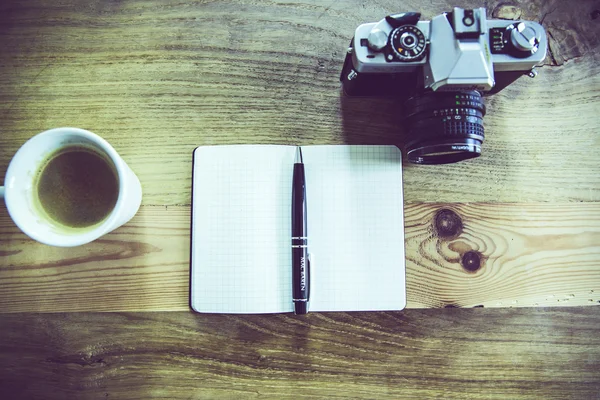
[[75, 239]]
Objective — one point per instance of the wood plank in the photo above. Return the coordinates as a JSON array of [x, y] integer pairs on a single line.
[[528, 255], [477, 353], [158, 78], [503, 255]]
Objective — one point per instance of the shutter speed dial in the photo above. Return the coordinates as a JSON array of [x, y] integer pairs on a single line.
[[408, 43]]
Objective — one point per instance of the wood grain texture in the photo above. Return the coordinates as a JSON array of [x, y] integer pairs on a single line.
[[492, 255], [158, 78], [503, 254], [520, 226], [417, 354]]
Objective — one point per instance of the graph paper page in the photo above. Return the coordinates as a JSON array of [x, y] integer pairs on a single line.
[[355, 227], [241, 229], [241, 247]]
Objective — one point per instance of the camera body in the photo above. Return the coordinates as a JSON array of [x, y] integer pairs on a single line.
[[454, 58]]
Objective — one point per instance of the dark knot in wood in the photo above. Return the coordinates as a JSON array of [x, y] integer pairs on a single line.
[[471, 261], [447, 224]]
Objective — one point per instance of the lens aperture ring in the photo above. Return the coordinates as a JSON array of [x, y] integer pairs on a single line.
[[444, 103]]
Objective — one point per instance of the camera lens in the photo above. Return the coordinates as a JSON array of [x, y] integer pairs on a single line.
[[444, 127]]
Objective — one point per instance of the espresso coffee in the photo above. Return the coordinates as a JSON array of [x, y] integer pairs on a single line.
[[77, 187]]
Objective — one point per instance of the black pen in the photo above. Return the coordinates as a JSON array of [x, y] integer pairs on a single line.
[[300, 262]]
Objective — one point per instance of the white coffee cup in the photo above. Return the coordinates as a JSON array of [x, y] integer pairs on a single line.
[[19, 189]]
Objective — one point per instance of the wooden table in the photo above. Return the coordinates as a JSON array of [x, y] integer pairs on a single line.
[[517, 227]]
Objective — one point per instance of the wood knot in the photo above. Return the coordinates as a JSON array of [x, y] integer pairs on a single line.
[[507, 11], [471, 261], [447, 224]]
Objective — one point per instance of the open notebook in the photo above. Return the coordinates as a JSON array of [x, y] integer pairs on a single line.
[[241, 228]]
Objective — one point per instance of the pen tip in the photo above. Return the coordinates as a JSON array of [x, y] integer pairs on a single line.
[[298, 155]]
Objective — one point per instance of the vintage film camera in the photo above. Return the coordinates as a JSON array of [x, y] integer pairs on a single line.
[[441, 68]]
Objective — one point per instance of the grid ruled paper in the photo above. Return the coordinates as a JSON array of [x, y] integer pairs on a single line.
[[355, 227], [241, 256], [241, 229]]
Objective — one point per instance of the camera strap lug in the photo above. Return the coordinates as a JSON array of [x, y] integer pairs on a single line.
[[532, 74]]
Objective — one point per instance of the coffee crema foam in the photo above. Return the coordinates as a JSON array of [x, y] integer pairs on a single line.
[[76, 187]]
